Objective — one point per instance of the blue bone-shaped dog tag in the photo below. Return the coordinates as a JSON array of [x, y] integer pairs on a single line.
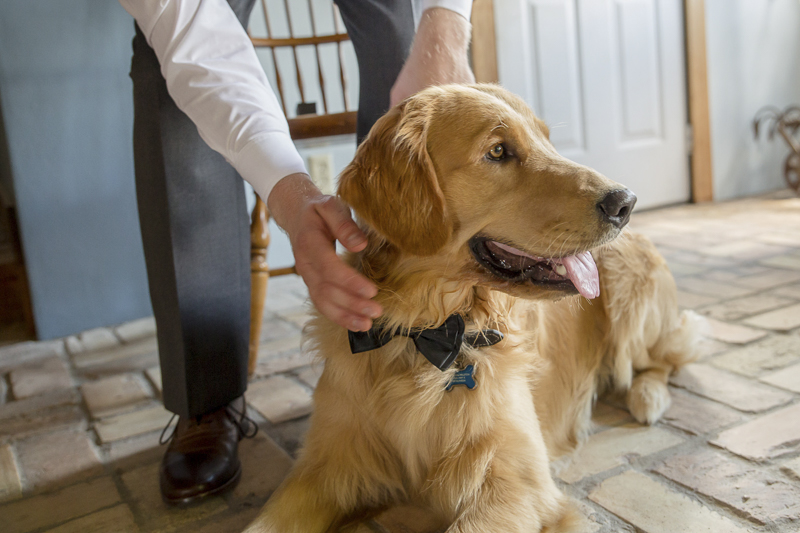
[[463, 377]]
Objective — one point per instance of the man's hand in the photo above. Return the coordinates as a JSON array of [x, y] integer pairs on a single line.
[[314, 221], [438, 55]]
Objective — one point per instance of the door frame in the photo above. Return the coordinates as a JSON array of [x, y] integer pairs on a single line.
[[484, 64]]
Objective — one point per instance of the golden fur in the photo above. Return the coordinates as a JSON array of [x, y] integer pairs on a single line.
[[384, 431]]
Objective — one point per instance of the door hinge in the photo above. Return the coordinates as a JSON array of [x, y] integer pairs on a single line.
[[689, 139]]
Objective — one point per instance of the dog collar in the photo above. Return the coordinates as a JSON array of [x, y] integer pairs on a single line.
[[439, 345]]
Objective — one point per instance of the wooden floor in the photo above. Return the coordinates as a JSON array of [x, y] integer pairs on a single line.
[[15, 313]]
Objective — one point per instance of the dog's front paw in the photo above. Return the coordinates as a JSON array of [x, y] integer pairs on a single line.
[[648, 397]]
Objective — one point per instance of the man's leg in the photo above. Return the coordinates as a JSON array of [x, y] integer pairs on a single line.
[[195, 231], [382, 32]]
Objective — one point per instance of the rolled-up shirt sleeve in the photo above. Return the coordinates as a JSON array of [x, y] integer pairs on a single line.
[[462, 7], [214, 76]]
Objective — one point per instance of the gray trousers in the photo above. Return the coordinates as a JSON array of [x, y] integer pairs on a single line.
[[193, 216]]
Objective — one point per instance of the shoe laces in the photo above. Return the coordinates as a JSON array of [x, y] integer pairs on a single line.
[[161, 439], [246, 427]]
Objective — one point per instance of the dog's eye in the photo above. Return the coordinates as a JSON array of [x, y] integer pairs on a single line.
[[497, 152]]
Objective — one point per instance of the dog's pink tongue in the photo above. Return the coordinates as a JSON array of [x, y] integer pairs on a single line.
[[582, 272]]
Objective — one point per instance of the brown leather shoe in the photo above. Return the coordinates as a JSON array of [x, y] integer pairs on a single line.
[[202, 457]]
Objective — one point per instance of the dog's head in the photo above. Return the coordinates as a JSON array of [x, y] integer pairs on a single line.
[[465, 179]]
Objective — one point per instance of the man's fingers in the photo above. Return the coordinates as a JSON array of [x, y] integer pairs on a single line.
[[339, 291], [344, 308], [344, 317], [337, 217], [318, 263], [341, 294]]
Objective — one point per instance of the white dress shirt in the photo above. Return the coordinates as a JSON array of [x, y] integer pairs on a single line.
[[214, 76]]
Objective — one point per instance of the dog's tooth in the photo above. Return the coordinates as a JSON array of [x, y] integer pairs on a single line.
[[560, 269]]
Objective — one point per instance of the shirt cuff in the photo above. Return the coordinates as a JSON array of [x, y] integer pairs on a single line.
[[462, 7], [266, 159]]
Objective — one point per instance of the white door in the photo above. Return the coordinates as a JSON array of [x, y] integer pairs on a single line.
[[608, 77]]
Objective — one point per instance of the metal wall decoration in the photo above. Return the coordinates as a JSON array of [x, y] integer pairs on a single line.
[[785, 122]]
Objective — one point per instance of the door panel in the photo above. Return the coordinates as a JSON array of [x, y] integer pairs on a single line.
[[608, 77], [556, 88], [638, 74]]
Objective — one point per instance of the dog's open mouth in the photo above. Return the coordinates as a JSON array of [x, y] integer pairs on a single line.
[[570, 274]]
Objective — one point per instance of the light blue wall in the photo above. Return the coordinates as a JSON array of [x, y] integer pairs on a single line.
[[67, 107], [65, 98]]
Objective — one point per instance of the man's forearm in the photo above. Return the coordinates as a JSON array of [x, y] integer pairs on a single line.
[[287, 197], [438, 55], [442, 33]]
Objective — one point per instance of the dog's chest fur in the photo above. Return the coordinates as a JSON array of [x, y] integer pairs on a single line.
[[435, 435]]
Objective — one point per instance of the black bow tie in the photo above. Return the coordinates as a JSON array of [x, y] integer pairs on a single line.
[[439, 345]]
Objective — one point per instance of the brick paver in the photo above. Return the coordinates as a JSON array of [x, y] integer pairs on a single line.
[[758, 493], [730, 389], [282, 363], [154, 375], [63, 505], [134, 356], [712, 288], [118, 519], [14, 355], [112, 395], [785, 261], [734, 333], [780, 320], [790, 291], [39, 377], [654, 508], [130, 424], [279, 399], [768, 279], [91, 340], [57, 458], [792, 468], [44, 412], [744, 307], [788, 378], [10, 482], [690, 300], [769, 354], [145, 498], [606, 416], [615, 447], [310, 375], [80, 417], [766, 437], [136, 329], [264, 465], [698, 416]]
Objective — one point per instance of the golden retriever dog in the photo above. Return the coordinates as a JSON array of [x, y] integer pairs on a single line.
[[470, 211]]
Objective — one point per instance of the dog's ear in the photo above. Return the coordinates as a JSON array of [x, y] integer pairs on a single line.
[[392, 185]]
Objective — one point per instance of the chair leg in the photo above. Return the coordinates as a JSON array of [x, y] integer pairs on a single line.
[[259, 277]]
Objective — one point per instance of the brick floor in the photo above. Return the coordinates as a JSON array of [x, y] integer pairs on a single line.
[[766, 355], [39, 377], [729, 389], [112, 395], [76, 459], [608, 449], [80, 417], [758, 493]]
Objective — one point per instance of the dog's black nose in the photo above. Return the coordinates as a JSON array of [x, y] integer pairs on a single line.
[[616, 207]]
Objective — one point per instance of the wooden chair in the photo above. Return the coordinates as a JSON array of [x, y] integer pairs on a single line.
[[306, 123]]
